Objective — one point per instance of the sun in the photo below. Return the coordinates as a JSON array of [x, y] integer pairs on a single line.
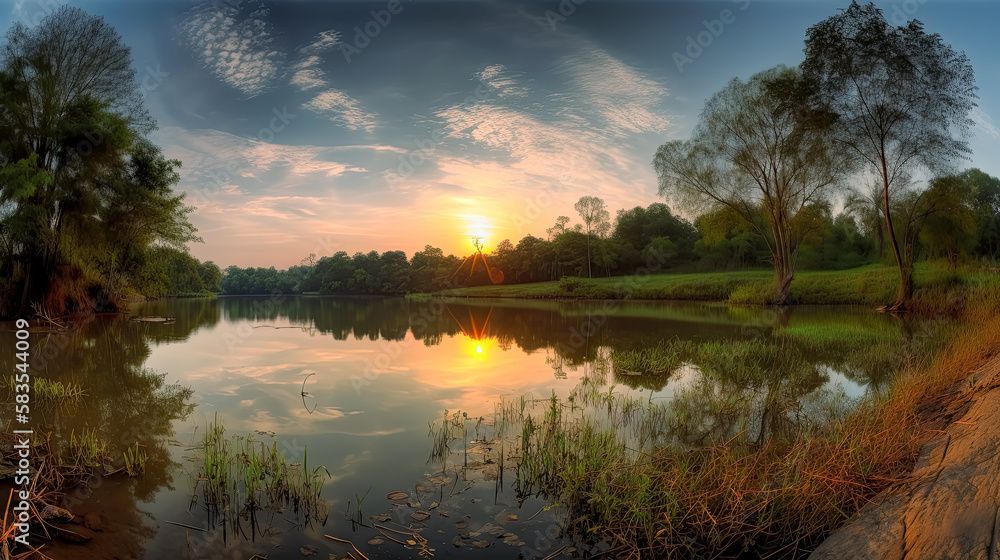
[[477, 228]]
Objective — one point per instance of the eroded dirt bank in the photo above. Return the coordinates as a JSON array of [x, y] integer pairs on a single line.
[[949, 509]]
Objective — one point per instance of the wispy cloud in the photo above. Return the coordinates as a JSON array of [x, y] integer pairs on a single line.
[[343, 109], [984, 122], [322, 43], [235, 43], [307, 79], [625, 101]]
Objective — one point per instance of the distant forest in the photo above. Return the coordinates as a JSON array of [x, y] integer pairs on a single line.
[[652, 239]]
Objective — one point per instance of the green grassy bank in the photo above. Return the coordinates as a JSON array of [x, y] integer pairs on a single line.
[[937, 287]]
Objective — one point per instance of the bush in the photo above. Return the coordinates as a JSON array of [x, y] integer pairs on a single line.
[[570, 283]]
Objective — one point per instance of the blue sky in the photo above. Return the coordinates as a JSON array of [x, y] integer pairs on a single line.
[[314, 127]]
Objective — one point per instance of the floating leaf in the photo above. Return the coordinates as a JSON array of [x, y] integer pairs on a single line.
[[376, 541], [420, 515], [397, 495], [308, 550]]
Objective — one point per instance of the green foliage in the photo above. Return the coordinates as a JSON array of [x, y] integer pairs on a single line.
[[85, 194]]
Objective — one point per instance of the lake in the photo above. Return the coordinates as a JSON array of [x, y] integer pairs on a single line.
[[381, 395]]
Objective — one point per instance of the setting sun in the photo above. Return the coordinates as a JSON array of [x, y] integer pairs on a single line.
[[477, 228]]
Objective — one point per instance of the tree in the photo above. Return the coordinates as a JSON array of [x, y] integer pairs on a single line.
[[71, 112], [595, 220], [986, 207], [758, 154], [139, 209], [949, 227], [899, 94]]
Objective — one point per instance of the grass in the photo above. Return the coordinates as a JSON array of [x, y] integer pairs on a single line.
[[936, 287], [659, 359], [242, 475], [52, 392], [731, 466]]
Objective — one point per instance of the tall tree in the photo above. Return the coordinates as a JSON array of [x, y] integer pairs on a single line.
[[596, 219], [757, 153], [900, 95], [70, 108]]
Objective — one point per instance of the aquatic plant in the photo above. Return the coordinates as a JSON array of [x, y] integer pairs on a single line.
[[242, 475]]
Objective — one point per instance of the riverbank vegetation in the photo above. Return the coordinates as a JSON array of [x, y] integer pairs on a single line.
[[89, 215], [755, 454], [938, 287]]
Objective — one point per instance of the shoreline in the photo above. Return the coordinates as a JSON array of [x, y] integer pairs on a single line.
[[947, 507]]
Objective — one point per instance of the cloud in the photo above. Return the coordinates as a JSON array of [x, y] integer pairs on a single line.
[[307, 79], [236, 166], [984, 122], [499, 78], [342, 109], [567, 136], [323, 42], [625, 101], [235, 43]]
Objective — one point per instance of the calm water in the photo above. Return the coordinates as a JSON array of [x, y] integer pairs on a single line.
[[384, 369]]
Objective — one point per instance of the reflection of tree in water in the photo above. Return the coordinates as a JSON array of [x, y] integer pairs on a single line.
[[756, 387], [124, 404]]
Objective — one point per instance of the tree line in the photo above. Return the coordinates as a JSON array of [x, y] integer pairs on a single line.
[[639, 237]]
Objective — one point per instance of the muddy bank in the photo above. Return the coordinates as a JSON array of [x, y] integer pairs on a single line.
[[949, 507]]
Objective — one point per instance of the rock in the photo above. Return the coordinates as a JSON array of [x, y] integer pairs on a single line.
[[93, 521], [949, 510], [54, 514]]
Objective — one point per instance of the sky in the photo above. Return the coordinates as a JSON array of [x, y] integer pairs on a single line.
[[310, 126]]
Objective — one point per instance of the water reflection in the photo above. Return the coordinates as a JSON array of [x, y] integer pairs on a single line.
[[124, 404], [356, 380]]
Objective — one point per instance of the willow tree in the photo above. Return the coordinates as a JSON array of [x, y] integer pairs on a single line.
[[901, 96], [757, 152]]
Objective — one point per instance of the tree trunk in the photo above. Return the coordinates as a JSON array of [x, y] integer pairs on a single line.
[[905, 270], [904, 299], [589, 273]]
